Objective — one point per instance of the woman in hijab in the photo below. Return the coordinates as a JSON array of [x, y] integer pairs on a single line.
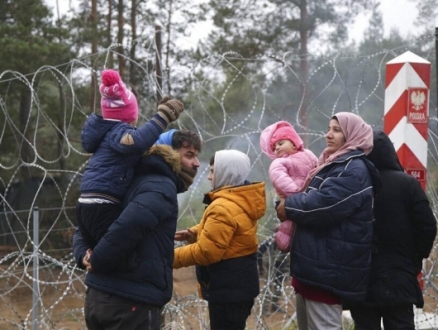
[[331, 248]]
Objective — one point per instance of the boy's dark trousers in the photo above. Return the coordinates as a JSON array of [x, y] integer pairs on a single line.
[[95, 219], [229, 316]]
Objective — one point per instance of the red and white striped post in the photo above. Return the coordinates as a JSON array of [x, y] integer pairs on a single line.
[[406, 114]]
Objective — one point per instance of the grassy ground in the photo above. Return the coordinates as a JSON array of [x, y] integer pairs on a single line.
[[62, 300]]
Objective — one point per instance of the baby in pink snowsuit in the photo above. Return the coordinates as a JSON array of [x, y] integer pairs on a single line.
[[288, 170]]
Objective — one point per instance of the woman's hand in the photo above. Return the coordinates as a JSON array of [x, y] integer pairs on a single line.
[[281, 212], [188, 235]]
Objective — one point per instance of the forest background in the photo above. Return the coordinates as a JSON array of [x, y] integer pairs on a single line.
[[260, 61]]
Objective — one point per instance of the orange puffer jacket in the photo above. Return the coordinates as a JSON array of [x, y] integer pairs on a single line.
[[228, 228], [225, 253]]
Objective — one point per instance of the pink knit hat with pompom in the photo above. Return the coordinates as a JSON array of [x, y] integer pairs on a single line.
[[117, 101]]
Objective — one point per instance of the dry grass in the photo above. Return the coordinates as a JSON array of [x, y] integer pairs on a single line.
[[59, 307], [62, 300], [192, 313]]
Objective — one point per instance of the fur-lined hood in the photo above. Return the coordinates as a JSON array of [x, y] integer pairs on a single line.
[[155, 159], [169, 155]]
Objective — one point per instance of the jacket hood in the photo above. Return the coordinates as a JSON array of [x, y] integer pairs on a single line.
[[268, 133], [383, 155], [170, 156], [250, 197], [231, 168], [94, 130], [375, 175], [155, 161]]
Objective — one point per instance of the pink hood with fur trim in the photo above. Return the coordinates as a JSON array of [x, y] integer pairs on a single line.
[[288, 173], [268, 132]]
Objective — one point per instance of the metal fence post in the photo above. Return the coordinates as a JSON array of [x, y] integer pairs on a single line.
[[36, 295]]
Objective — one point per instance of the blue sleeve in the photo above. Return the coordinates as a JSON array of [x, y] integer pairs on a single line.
[[94, 131], [137, 221], [144, 137]]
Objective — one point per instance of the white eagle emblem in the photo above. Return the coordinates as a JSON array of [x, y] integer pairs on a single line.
[[417, 99]]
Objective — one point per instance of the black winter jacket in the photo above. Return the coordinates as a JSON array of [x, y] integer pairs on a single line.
[[145, 229], [404, 231]]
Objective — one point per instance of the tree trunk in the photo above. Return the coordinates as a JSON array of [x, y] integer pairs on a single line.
[[110, 63], [168, 28], [158, 71], [94, 38], [304, 68], [120, 22], [61, 136], [27, 152], [132, 71]]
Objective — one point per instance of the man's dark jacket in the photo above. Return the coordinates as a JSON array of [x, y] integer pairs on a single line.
[[403, 233], [145, 230]]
